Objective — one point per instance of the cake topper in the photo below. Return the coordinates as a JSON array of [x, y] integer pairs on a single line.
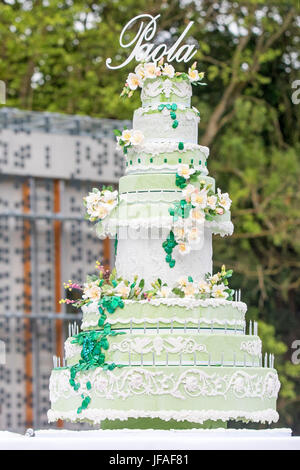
[[145, 51]]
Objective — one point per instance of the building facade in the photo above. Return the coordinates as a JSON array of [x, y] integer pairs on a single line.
[[48, 162]]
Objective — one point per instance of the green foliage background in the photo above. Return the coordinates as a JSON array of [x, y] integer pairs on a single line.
[[52, 57]]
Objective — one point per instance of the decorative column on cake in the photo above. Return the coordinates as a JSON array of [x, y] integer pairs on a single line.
[[164, 341]]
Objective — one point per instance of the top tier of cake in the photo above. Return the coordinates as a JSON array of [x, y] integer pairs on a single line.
[[166, 90]]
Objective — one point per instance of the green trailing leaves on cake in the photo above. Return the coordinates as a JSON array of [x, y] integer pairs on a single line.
[[171, 108], [94, 344]]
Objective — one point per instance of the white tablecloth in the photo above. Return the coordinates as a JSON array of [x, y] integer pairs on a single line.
[[152, 440]]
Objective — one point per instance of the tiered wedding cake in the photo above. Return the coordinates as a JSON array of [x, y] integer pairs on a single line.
[[163, 341]]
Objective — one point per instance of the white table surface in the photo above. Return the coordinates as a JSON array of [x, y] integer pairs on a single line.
[[152, 440]]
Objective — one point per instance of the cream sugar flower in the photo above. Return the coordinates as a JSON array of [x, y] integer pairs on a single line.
[[183, 248], [194, 235], [168, 70], [179, 232], [193, 75], [218, 291], [99, 212], [199, 198], [190, 290], [224, 200], [123, 290], [151, 70], [110, 198], [134, 81], [126, 136], [203, 287], [197, 215], [92, 291], [185, 171], [164, 292], [188, 191], [211, 202], [140, 71], [137, 138], [92, 199], [183, 281]]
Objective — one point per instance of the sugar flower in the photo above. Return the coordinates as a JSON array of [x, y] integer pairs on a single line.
[[185, 171], [218, 291], [151, 70], [137, 138], [199, 198], [183, 248], [224, 200], [123, 290], [133, 81], [168, 70]]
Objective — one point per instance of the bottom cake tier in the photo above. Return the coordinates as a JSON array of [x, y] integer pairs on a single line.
[[165, 397]]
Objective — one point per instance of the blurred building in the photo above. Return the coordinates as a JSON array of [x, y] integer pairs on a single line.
[[48, 162]]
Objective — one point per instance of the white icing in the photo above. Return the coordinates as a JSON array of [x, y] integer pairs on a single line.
[[109, 226], [158, 344], [158, 126], [188, 302], [159, 196], [146, 257], [135, 169], [192, 382], [166, 146], [252, 347], [153, 89], [194, 416], [167, 320], [71, 349]]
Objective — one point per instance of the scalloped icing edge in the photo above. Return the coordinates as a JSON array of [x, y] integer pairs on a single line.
[[169, 146], [113, 321], [187, 302], [134, 169], [193, 416], [108, 228]]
